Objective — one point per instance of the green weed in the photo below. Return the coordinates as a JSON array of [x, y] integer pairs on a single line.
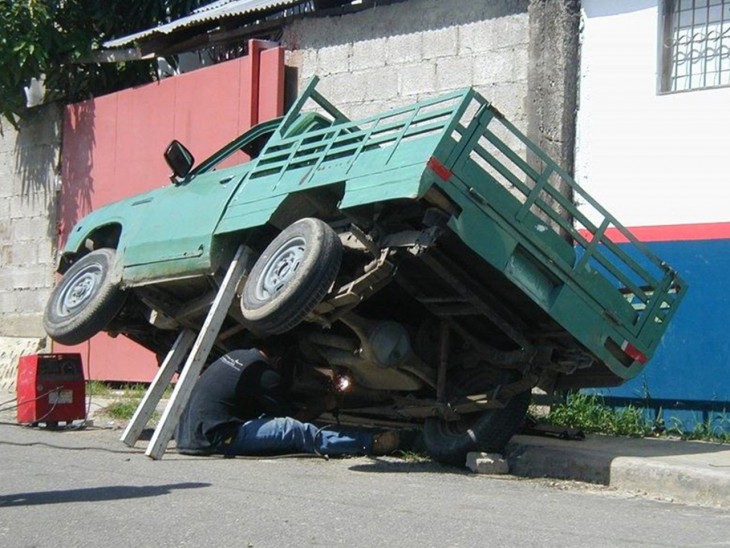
[[97, 388], [589, 413], [716, 427], [124, 409], [121, 409], [412, 456]]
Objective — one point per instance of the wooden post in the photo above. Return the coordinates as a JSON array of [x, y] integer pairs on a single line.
[[198, 355], [154, 393]]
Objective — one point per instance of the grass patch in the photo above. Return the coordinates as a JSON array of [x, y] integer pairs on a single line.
[[124, 409], [134, 390], [589, 413], [139, 390], [121, 409], [412, 456], [715, 428], [98, 388]]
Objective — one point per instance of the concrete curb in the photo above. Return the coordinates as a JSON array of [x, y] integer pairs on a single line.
[[687, 472]]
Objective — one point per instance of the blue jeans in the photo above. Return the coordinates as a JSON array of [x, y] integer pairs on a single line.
[[282, 435]]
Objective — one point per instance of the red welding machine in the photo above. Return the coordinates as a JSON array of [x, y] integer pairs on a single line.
[[51, 388]]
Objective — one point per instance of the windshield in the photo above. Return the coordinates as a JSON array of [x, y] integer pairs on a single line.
[[250, 144], [241, 150]]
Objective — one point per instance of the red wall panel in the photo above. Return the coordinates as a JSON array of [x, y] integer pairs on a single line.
[[113, 145]]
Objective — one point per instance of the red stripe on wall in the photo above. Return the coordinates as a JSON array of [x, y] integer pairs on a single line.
[[673, 233]]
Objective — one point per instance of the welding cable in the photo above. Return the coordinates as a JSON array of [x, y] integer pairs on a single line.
[[55, 403], [18, 404], [7, 402], [88, 376]]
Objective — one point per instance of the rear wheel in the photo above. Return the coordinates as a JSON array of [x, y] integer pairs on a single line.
[[488, 431], [85, 300], [292, 275]]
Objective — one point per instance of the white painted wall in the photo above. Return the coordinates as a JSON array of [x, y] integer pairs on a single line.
[[650, 159]]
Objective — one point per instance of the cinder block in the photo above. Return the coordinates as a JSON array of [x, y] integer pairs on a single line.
[[362, 110], [7, 174], [4, 208], [453, 73], [24, 278], [512, 30], [6, 231], [417, 79], [24, 255], [8, 302], [46, 253], [509, 98], [30, 228], [368, 54], [520, 64], [345, 88], [6, 280], [486, 463], [491, 68], [31, 276], [333, 59], [307, 63], [382, 83], [479, 37], [404, 48], [440, 43], [6, 254], [40, 298], [31, 205]]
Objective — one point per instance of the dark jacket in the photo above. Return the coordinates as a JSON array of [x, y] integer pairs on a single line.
[[235, 388]]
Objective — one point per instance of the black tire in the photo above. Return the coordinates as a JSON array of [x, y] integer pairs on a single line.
[[291, 277], [85, 300], [488, 431]]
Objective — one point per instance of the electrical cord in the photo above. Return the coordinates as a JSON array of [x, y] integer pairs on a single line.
[[50, 411], [18, 404], [7, 402]]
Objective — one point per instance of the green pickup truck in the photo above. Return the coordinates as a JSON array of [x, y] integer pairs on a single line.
[[428, 265]]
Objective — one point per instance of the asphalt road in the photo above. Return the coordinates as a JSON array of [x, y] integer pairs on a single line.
[[85, 488]]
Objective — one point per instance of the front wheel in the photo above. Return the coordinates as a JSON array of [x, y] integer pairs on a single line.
[[85, 300], [291, 277]]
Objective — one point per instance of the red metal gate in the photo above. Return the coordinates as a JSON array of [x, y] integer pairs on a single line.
[[112, 148]]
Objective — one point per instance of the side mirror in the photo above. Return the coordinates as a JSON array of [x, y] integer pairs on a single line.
[[179, 159]]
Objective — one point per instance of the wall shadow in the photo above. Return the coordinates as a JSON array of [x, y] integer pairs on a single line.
[[37, 161], [76, 166]]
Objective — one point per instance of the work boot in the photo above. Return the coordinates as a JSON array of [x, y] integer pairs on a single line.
[[385, 443]]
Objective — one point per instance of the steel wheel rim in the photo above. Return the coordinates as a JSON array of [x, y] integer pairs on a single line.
[[80, 289], [280, 268]]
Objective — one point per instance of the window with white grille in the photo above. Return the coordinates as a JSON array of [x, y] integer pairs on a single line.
[[696, 48]]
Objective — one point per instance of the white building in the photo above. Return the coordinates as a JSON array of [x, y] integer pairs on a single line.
[[652, 146]]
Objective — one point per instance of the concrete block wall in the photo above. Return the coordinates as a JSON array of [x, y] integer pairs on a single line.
[[393, 55], [29, 160]]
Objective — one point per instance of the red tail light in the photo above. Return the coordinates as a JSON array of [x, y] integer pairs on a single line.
[[439, 169], [634, 353]]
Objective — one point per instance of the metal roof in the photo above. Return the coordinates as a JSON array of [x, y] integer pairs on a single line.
[[215, 11]]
